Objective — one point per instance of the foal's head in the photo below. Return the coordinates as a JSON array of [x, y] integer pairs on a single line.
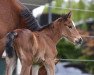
[[67, 28]]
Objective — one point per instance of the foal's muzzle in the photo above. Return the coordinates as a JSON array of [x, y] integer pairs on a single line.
[[78, 41]]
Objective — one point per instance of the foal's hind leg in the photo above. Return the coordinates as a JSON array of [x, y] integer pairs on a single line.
[[50, 67], [10, 65]]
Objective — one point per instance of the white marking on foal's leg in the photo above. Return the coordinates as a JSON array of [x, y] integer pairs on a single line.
[[35, 69], [19, 66]]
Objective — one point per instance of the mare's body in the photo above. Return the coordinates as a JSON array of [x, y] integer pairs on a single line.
[[13, 15]]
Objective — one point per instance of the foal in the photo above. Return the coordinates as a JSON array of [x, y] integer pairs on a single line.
[[39, 48]]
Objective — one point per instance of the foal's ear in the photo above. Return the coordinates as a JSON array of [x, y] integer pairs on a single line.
[[69, 15]]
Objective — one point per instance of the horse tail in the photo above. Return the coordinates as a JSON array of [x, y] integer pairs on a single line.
[[9, 44]]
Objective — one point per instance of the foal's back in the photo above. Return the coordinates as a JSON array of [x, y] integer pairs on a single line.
[[34, 46]]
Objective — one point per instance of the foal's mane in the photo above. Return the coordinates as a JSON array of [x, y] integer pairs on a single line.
[[62, 17], [47, 26]]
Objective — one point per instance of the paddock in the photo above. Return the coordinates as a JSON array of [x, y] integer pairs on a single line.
[[82, 56]]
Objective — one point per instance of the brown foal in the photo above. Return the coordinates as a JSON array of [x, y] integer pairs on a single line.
[[39, 48]]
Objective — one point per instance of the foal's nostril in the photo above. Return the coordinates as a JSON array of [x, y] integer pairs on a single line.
[[79, 41]]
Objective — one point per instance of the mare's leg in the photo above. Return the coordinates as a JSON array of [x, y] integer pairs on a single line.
[[50, 66], [35, 69], [26, 69], [2, 46], [10, 65]]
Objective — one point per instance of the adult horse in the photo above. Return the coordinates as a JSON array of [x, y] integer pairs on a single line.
[[14, 15], [39, 48]]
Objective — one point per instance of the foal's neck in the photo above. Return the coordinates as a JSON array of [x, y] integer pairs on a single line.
[[54, 33]]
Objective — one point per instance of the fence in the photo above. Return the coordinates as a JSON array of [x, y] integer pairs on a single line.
[[60, 7]]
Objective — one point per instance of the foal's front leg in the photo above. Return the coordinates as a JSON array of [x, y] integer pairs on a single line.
[[50, 67], [35, 69]]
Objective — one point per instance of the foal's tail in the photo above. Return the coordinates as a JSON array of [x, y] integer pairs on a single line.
[[9, 44]]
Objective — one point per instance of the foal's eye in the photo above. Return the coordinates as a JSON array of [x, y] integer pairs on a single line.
[[70, 27]]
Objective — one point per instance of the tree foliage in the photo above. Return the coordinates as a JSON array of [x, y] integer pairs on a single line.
[[77, 8]]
